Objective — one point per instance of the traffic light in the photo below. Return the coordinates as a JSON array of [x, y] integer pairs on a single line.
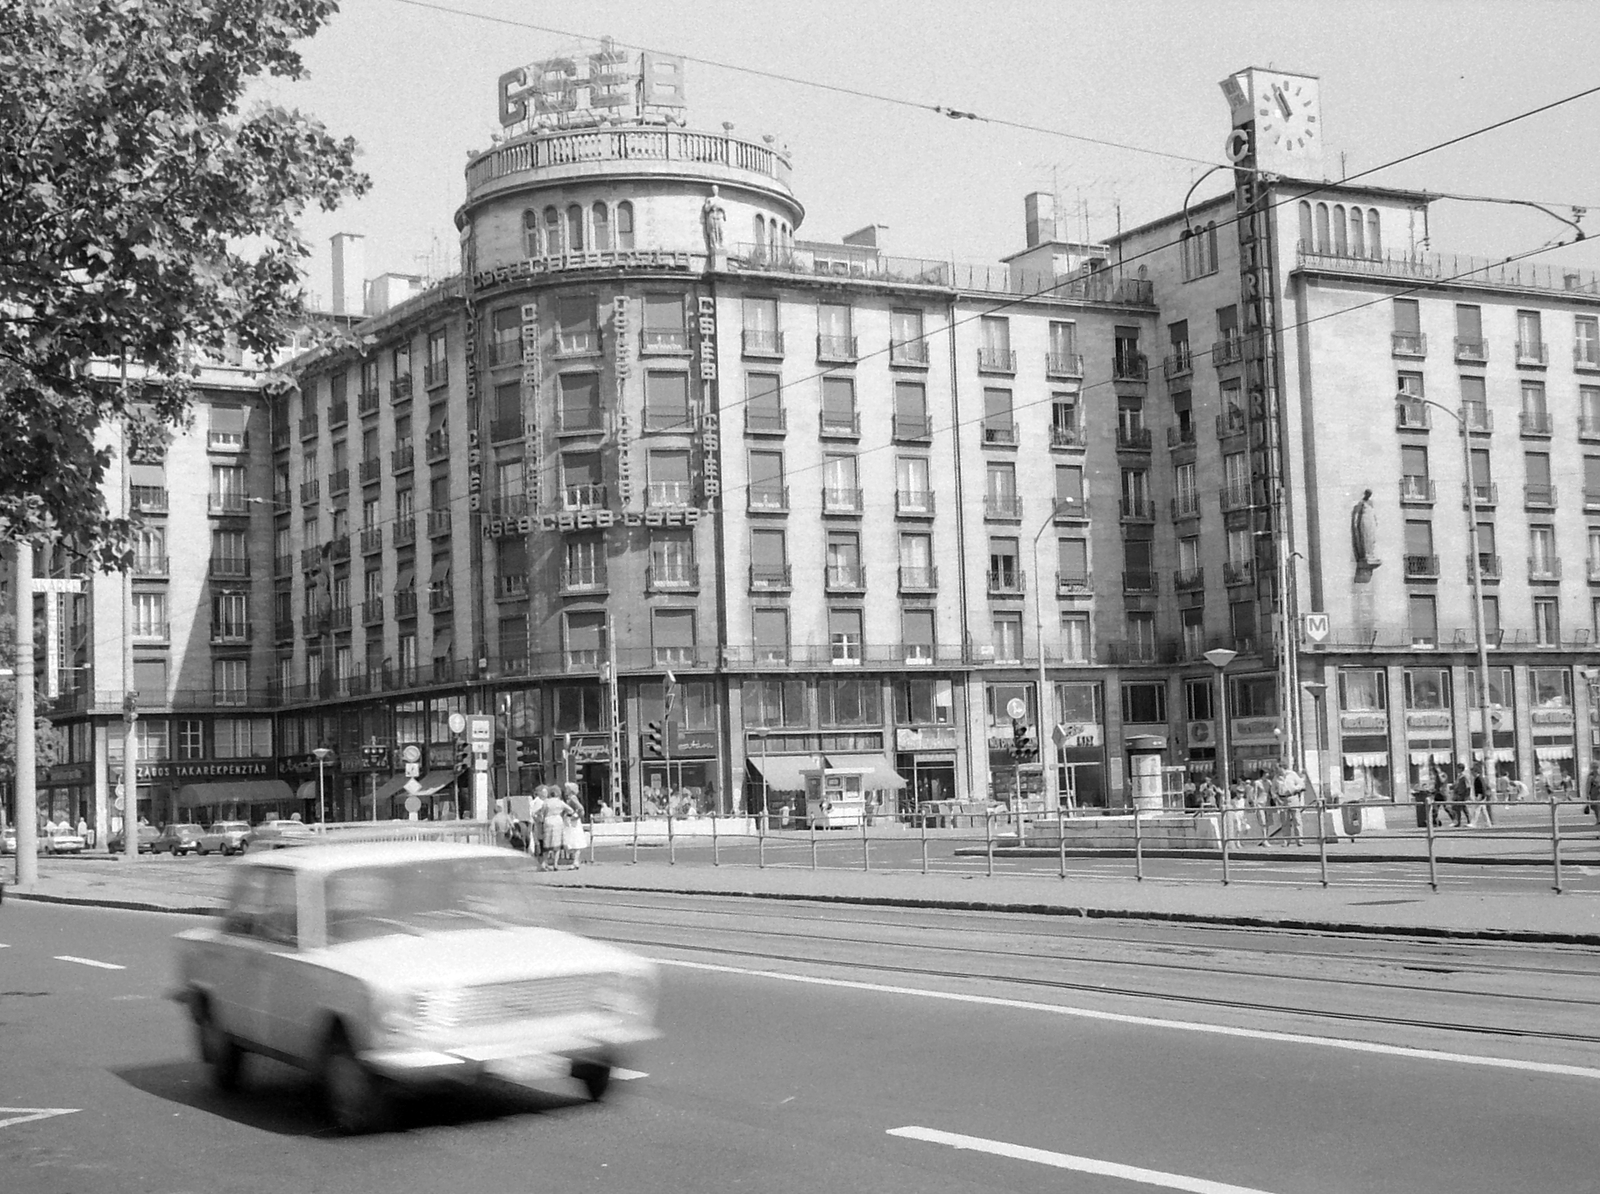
[[463, 758], [499, 758], [1022, 748], [654, 741], [513, 755]]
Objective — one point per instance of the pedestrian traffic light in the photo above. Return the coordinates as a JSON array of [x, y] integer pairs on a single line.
[[654, 742], [1022, 748], [513, 755], [499, 752], [463, 758]]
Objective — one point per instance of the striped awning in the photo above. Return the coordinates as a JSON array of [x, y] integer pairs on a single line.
[[1564, 751], [1374, 758], [1439, 758]]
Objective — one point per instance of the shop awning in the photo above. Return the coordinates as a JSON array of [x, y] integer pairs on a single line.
[[393, 788], [1422, 758], [434, 782], [878, 771], [1564, 751], [306, 791], [782, 772], [243, 791], [1375, 758]]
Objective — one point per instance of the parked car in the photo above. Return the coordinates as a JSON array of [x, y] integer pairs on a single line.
[[62, 841], [271, 835], [381, 966], [147, 840], [179, 838], [8, 841], [230, 837]]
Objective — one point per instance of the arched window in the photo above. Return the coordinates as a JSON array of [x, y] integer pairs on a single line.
[[1322, 228], [1358, 234], [624, 225], [1211, 247], [1341, 246], [530, 233], [602, 227], [761, 230], [552, 230], [1306, 243], [772, 235], [1186, 253], [1374, 243], [575, 229]]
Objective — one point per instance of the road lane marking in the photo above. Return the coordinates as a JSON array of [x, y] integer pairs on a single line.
[[23, 1115], [1039, 1156], [622, 1075], [89, 962], [1408, 1052]]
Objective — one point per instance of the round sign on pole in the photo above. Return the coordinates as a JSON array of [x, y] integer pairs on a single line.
[[411, 753], [413, 804], [458, 722], [1016, 708], [117, 803]]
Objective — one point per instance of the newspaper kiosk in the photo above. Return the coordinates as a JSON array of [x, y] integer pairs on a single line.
[[835, 796]]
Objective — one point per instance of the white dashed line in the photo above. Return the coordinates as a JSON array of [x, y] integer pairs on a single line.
[[89, 962], [1083, 1013], [628, 1075], [24, 1115], [1039, 1156]]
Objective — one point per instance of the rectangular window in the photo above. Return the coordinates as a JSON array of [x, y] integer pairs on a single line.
[[1530, 337], [1004, 572], [585, 634], [771, 633], [844, 634], [763, 409], [672, 557], [998, 427], [1586, 341], [906, 344], [668, 478], [672, 636], [775, 703], [1423, 617], [839, 406], [191, 739], [1542, 560], [1072, 563], [994, 350], [584, 562], [230, 617], [666, 402], [149, 615], [761, 326], [1547, 621], [505, 345], [1006, 631], [230, 681], [1427, 688], [835, 340], [151, 739], [575, 325], [1141, 636], [844, 560], [924, 700], [1407, 317], [849, 702], [580, 402], [1550, 687], [911, 410], [766, 481], [1144, 702], [664, 329], [1063, 345], [911, 481], [1075, 646], [917, 635]]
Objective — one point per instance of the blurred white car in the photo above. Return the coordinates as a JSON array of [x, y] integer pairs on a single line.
[[388, 965], [62, 841], [230, 837]]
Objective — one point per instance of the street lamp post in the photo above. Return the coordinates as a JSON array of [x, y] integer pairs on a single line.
[[1314, 689], [1220, 658], [322, 753], [1051, 799], [1476, 574]]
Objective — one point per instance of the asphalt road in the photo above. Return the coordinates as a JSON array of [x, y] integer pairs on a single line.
[[821, 1049]]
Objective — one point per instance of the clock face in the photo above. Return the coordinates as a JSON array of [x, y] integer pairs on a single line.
[[1286, 115]]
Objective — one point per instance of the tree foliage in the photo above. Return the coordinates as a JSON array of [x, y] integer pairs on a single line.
[[49, 743], [147, 213]]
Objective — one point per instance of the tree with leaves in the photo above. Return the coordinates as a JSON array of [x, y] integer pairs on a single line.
[[50, 744], [148, 215]]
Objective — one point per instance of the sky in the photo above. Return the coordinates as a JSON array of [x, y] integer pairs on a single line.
[[416, 88]]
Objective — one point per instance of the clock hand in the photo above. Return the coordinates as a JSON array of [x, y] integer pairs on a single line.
[[1283, 101]]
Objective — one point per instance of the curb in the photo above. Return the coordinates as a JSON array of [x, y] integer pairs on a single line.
[[39, 897], [1207, 855]]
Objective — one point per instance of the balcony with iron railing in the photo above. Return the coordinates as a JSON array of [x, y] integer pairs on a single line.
[[1535, 424], [1416, 490], [283, 630], [405, 603], [339, 617], [310, 491], [403, 456], [767, 578], [371, 471], [339, 481], [230, 633], [913, 428], [511, 586], [440, 598], [1239, 572], [308, 425], [282, 436], [1408, 344], [1139, 581], [1133, 439], [339, 547], [1472, 349], [1544, 568], [1411, 414], [663, 340], [338, 413], [230, 442], [997, 360], [503, 431], [909, 352], [400, 389], [765, 422], [1488, 565], [405, 530], [1186, 504], [1071, 509], [282, 565], [1542, 497], [581, 420], [1181, 436], [1479, 418], [371, 540], [1063, 438], [1003, 507], [758, 343], [438, 523], [766, 498], [367, 402], [671, 576], [227, 503], [914, 503], [1178, 363], [918, 579], [1533, 352], [841, 500], [1006, 582], [1586, 356], [1480, 494], [1188, 580], [1421, 567], [584, 578], [1073, 584], [838, 424], [1226, 351], [1231, 423], [844, 578], [669, 493], [1063, 364], [310, 558], [435, 374], [149, 566], [229, 567], [437, 445], [836, 348], [151, 631], [576, 342], [1136, 509], [1130, 366], [999, 433], [1236, 496]]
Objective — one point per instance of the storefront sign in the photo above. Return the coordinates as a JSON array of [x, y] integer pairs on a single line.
[[709, 439], [915, 738], [595, 259], [1427, 720], [1363, 723], [1244, 731], [589, 752], [441, 756], [693, 743], [1075, 735], [585, 520], [70, 775], [1552, 717], [198, 770], [474, 471], [1202, 733]]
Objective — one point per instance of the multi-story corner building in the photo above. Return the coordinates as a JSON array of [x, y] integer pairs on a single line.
[[847, 507]]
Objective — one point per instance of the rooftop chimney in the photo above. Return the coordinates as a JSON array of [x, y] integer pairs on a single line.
[[1039, 212], [349, 274]]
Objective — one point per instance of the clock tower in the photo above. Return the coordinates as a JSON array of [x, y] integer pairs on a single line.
[[1277, 121]]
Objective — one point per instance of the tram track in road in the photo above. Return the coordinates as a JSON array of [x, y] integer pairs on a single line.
[[1274, 988]]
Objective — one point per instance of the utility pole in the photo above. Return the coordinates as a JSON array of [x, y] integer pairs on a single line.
[[26, 779]]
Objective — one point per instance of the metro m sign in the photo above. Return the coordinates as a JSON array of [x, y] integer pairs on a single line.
[[1316, 627]]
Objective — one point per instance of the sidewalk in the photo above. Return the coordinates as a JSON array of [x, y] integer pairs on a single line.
[[180, 885]]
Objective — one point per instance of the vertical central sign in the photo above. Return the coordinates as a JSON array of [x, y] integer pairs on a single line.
[[709, 437]]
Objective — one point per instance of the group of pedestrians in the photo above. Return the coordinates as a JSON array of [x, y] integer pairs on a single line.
[[552, 828], [1464, 798], [1259, 808]]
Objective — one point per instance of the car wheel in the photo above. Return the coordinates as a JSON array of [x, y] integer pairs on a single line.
[[356, 1099], [595, 1076], [218, 1050]]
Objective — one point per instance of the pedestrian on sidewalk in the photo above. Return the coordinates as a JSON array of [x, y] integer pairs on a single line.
[[1291, 802], [1259, 794], [1480, 800], [1591, 790], [500, 824], [1461, 793], [1234, 820]]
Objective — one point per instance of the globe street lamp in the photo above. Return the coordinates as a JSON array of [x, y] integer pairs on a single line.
[[323, 754]]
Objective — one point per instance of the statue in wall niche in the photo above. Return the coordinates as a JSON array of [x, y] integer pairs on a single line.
[[1364, 534], [713, 217]]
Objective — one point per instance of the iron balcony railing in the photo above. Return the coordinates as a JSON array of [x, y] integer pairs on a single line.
[[371, 540], [1472, 348], [1422, 567], [405, 530], [1067, 437], [767, 498], [405, 603], [912, 427], [915, 503], [435, 374], [841, 500], [438, 523], [768, 577], [371, 471], [1133, 439], [372, 611], [1409, 344], [997, 360], [589, 497], [844, 577], [403, 457], [338, 413], [230, 567], [918, 578], [758, 343], [339, 481], [1411, 415], [1536, 423], [765, 422], [149, 565], [670, 340], [1130, 366], [367, 402], [1416, 489], [1532, 352], [1063, 364], [908, 352], [400, 389], [227, 503], [1002, 432], [836, 423], [675, 575], [1185, 580], [836, 348], [1003, 506]]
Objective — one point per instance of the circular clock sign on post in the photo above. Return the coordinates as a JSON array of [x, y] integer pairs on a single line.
[[1016, 708]]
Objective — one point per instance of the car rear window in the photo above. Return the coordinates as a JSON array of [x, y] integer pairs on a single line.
[[437, 895]]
